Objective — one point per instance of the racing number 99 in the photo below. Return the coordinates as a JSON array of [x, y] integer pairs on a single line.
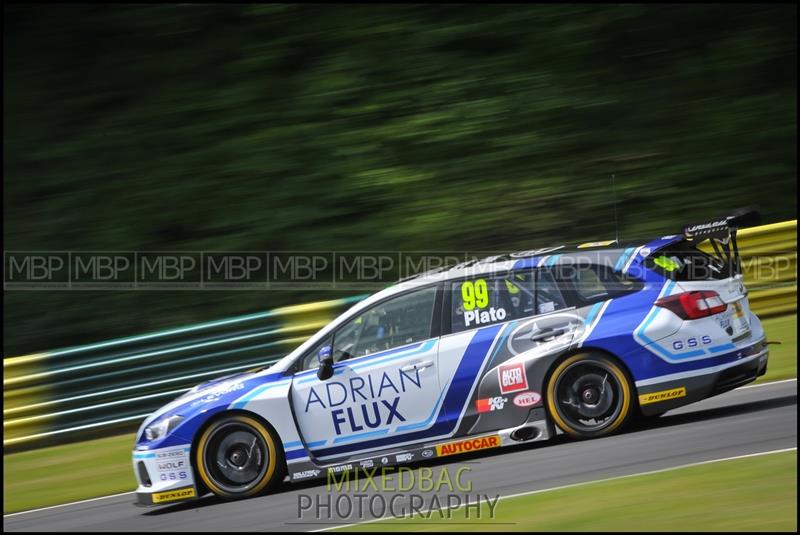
[[474, 294]]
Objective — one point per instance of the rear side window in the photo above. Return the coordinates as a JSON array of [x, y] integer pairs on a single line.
[[685, 262], [587, 284]]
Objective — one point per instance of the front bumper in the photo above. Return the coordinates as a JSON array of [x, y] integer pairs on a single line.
[[145, 499], [165, 475]]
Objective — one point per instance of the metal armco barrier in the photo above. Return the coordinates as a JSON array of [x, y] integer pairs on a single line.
[[98, 389], [76, 393], [769, 260]]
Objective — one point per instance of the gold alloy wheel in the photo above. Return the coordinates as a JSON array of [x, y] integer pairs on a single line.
[[589, 395], [236, 457]]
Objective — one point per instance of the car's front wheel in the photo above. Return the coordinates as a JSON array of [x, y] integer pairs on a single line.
[[237, 457], [589, 395]]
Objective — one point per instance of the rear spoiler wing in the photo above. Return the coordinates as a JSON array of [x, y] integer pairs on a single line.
[[721, 233]]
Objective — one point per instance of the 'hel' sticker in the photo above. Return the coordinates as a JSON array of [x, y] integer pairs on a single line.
[[527, 399], [512, 378]]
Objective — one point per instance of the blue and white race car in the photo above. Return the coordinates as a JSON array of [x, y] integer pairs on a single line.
[[485, 354]]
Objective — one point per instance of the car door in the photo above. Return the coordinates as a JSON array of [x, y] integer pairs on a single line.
[[499, 324], [384, 384]]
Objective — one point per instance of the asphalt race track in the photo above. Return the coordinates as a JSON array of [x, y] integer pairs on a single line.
[[745, 421]]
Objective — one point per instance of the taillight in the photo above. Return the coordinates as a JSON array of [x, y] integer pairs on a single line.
[[693, 305]]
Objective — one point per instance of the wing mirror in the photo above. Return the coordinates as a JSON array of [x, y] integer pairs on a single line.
[[325, 357]]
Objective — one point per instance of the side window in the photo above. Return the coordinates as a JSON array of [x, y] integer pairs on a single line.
[[400, 321], [548, 295], [589, 286], [310, 361], [491, 299], [585, 285], [616, 284]]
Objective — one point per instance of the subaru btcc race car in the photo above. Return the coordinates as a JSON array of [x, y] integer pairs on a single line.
[[486, 354]]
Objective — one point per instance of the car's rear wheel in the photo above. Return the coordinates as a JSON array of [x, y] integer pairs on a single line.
[[589, 395], [237, 457]]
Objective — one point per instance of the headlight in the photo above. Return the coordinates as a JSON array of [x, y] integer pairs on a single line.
[[162, 427]]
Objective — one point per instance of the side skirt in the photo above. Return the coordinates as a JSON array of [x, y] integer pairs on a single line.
[[531, 431]]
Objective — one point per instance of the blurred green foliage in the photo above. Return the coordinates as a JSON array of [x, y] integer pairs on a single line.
[[367, 127]]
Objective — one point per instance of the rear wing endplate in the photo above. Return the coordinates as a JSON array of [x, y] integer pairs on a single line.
[[721, 233]]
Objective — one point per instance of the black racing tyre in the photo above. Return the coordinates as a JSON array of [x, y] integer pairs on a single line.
[[238, 456], [589, 395]]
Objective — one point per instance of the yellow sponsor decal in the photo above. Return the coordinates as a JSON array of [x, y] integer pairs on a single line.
[[464, 446], [596, 244], [664, 395], [172, 495]]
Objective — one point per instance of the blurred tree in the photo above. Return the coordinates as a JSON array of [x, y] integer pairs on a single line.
[[368, 127]]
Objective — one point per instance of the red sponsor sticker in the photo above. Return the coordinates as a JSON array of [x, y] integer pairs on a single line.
[[527, 399], [463, 446], [491, 404], [512, 378]]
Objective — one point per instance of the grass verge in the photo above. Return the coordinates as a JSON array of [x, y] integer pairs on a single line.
[[62, 474], [93, 468], [783, 357], [752, 494]]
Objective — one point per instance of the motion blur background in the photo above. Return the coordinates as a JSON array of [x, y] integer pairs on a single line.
[[373, 128], [363, 128]]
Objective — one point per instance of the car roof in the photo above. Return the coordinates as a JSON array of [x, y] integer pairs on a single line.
[[548, 256], [597, 252]]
